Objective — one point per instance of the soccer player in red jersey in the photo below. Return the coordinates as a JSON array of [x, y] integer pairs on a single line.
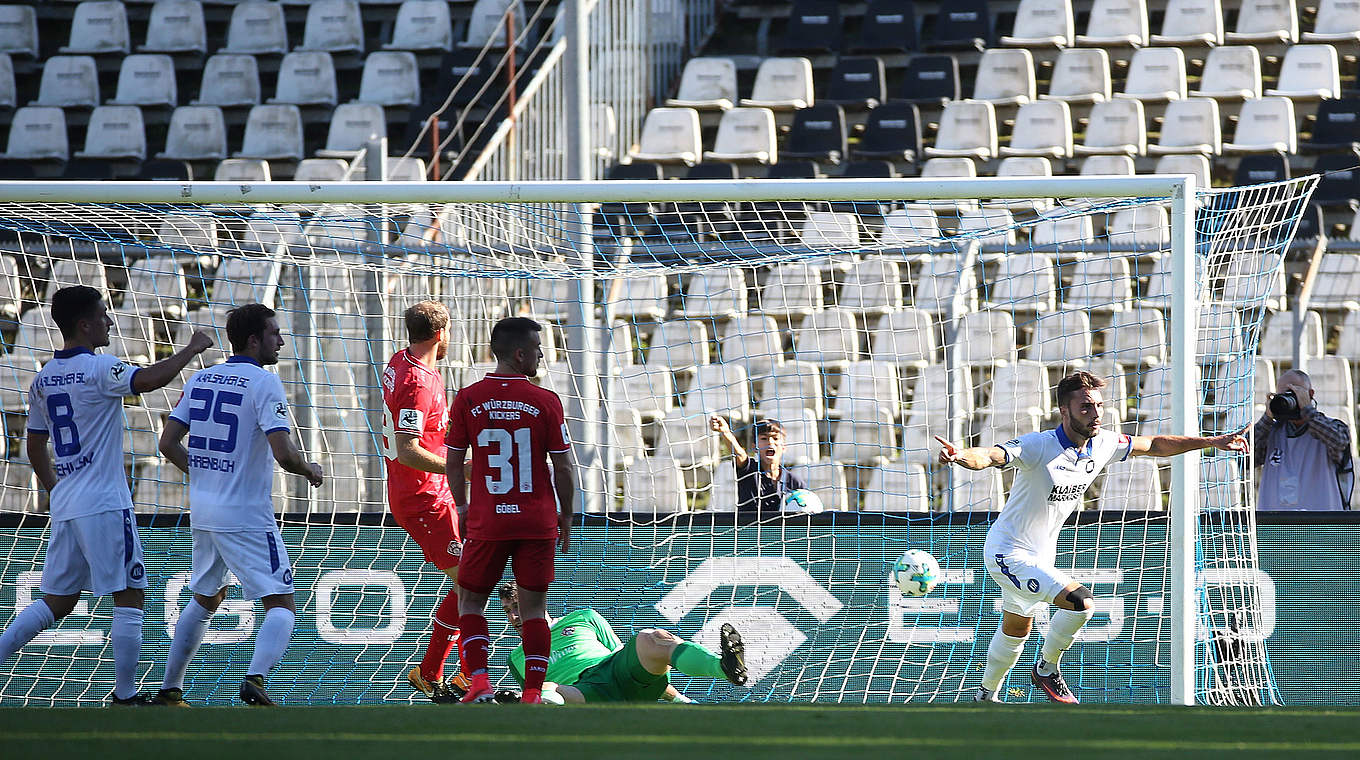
[[513, 428], [414, 415]]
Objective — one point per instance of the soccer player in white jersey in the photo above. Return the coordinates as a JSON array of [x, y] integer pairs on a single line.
[[235, 415], [1053, 470], [76, 403]]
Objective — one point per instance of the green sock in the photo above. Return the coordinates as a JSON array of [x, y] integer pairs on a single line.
[[694, 660]]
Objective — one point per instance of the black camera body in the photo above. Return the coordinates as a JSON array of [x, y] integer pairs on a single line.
[[1285, 406]]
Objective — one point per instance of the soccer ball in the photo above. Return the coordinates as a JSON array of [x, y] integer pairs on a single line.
[[803, 500], [916, 572]]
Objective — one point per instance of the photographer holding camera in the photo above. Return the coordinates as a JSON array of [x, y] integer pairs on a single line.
[[1304, 455]]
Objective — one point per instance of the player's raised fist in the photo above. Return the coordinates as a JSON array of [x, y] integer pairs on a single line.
[[200, 341], [949, 453], [315, 476], [717, 424]]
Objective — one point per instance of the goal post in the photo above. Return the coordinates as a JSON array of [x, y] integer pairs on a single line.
[[865, 315]]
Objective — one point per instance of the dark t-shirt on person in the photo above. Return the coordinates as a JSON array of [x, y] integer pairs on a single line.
[[757, 492]]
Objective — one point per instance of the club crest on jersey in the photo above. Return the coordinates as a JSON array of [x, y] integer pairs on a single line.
[[281, 410], [138, 572], [410, 419], [455, 548], [118, 370], [1032, 585], [569, 630]]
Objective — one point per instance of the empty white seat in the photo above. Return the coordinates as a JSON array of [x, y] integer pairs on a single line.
[[873, 285], [1219, 334], [156, 287], [707, 84], [1100, 283], [1156, 75], [1062, 338], [245, 280], [828, 337], [1332, 387], [335, 26], [1026, 166], [256, 28], [680, 345], [915, 224], [19, 30], [11, 295], [828, 229], [931, 404], [1042, 128], [653, 484], [944, 167], [1080, 76], [1116, 23], [486, 26], [715, 294], [1220, 481], [1139, 226], [147, 80], [867, 386], [1024, 283], [352, 126], [625, 435], [967, 130], [242, 170], [1265, 21], [1197, 165], [898, 485], [826, 478], [719, 389], [1108, 165], [795, 385], [422, 25], [670, 135], [1135, 336], [1116, 128], [406, 169], [1337, 21], [905, 338], [986, 337], [133, 340], [38, 133], [230, 80], [1189, 126], [647, 390], [641, 298], [1042, 23], [989, 225], [191, 233], [99, 26], [37, 331], [69, 81], [791, 290], [390, 79], [115, 132], [321, 170], [1131, 486], [1005, 77], [975, 490], [8, 90], [1232, 72], [176, 26], [196, 133], [995, 425], [782, 84], [753, 342], [939, 280], [1278, 341], [1337, 284], [1245, 287], [1309, 72], [1265, 125], [745, 134], [866, 439], [273, 132], [89, 272], [306, 78], [686, 438], [1191, 22], [1068, 231]]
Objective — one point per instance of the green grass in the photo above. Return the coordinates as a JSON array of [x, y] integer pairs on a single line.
[[747, 732]]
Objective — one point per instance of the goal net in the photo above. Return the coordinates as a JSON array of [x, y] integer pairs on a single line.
[[864, 316]]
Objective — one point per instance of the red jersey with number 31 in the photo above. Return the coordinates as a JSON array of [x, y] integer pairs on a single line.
[[413, 403], [511, 425]]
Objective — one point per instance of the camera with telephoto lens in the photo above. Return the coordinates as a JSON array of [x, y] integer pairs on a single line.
[[1285, 406]]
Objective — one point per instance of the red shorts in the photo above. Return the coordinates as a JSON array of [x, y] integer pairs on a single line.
[[484, 563], [436, 531]]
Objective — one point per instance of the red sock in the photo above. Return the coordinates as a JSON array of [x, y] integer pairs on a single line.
[[462, 660], [442, 638], [537, 646], [476, 640]]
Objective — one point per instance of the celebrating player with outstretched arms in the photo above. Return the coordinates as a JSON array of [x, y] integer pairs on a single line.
[[513, 427], [235, 415], [76, 403], [1053, 470]]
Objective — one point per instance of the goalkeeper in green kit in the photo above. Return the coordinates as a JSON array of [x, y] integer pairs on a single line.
[[589, 663]]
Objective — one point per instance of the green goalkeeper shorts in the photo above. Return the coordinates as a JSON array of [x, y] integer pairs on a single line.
[[620, 677]]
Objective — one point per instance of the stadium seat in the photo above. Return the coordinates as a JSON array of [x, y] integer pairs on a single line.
[[8, 91], [937, 282], [992, 227], [913, 225], [872, 285], [993, 427], [242, 170], [1337, 126], [133, 340], [818, 133], [1197, 165], [828, 229], [719, 389], [897, 485], [1024, 166], [1005, 77], [1131, 486], [866, 439], [1042, 128], [717, 294], [67, 272], [782, 84], [931, 402], [335, 26], [98, 27], [745, 135], [642, 298], [256, 28], [1116, 23], [828, 337], [1116, 128], [1041, 24], [19, 30], [1337, 285], [826, 478], [653, 485], [390, 79], [1136, 337], [648, 390], [1309, 72], [187, 233], [986, 338], [753, 342], [1231, 73], [1338, 21], [1064, 232], [892, 131], [669, 136], [1024, 283], [1113, 165], [422, 25], [229, 80], [1189, 126], [1277, 337], [1347, 343], [1265, 125], [791, 290], [888, 26], [37, 133], [176, 26], [196, 133], [37, 332], [352, 126], [306, 78], [686, 439], [1080, 76], [1156, 75], [857, 83], [793, 384], [11, 295], [1246, 289], [1100, 284], [1191, 22], [905, 338], [486, 26], [1219, 333], [1262, 21], [69, 81], [625, 436], [404, 169], [147, 80], [1139, 227], [156, 288], [975, 490], [1060, 339], [814, 26], [963, 25], [273, 132], [245, 280], [1339, 185], [707, 84], [967, 130], [115, 133], [1221, 483], [931, 80]]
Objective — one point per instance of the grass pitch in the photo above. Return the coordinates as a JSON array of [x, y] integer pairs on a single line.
[[747, 732]]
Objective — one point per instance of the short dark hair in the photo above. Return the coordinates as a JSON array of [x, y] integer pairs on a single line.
[[510, 334], [424, 319], [768, 426], [246, 321], [72, 304], [506, 591], [1077, 381]]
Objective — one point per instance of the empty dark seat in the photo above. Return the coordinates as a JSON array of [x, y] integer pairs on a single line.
[[1262, 168], [960, 25], [814, 27], [889, 26], [1310, 224], [710, 217], [1337, 126], [892, 132], [621, 219], [795, 170], [1340, 181], [164, 169], [931, 79], [88, 169], [818, 133], [867, 170], [856, 83]]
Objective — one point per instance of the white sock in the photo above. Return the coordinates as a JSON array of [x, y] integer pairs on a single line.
[[126, 637], [271, 641], [1062, 630], [1002, 654], [35, 618], [189, 632]]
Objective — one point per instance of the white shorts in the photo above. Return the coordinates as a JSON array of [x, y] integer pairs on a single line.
[[1028, 584], [99, 553], [257, 558]]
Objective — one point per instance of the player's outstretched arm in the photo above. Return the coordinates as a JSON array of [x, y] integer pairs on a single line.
[[719, 425], [564, 481], [162, 372], [41, 459], [290, 458], [172, 444], [417, 457], [974, 458], [1171, 445]]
